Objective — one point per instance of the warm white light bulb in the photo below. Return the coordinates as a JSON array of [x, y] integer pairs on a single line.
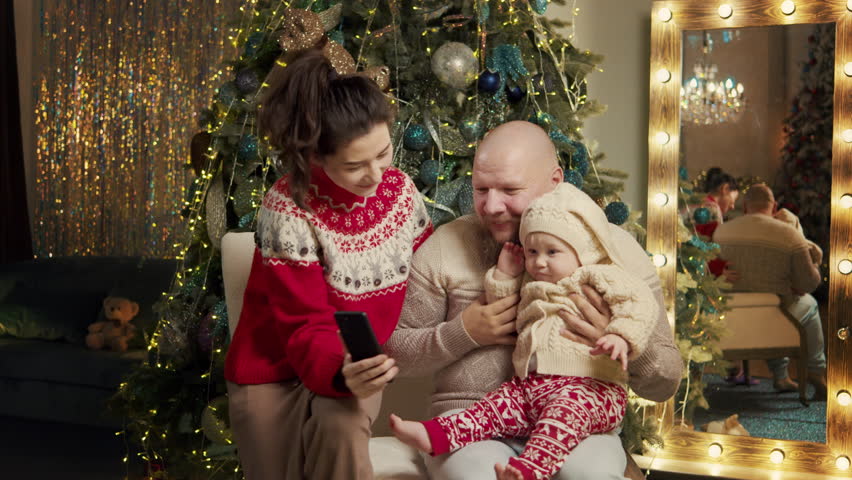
[[844, 398], [846, 201], [661, 199], [847, 135], [715, 450], [776, 456], [662, 138], [788, 7], [663, 75], [725, 11], [847, 69], [849, 5], [845, 267], [842, 462], [659, 260], [664, 14]]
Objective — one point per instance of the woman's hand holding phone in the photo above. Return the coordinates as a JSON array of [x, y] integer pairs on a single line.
[[367, 377]]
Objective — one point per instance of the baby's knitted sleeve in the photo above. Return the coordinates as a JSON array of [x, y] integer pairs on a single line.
[[497, 289]]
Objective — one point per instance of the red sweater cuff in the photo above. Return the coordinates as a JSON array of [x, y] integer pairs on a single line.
[[439, 440]]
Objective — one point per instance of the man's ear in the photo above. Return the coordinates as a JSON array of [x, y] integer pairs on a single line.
[[557, 176]]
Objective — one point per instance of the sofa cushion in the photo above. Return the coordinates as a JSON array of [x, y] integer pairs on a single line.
[[49, 313], [65, 363]]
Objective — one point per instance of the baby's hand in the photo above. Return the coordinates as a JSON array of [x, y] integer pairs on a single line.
[[614, 345], [511, 260]]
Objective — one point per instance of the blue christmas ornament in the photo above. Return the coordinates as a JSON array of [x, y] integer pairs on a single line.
[[489, 82], [580, 157], [701, 215], [540, 6], [429, 172], [617, 212], [574, 178], [416, 137], [227, 93], [247, 219], [557, 136], [471, 130], [253, 44], [682, 173], [515, 94], [247, 148], [247, 81]]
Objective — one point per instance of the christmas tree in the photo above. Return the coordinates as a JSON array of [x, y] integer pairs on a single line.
[[803, 185], [454, 68], [699, 303]]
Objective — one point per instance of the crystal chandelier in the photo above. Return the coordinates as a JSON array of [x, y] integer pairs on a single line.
[[707, 101]]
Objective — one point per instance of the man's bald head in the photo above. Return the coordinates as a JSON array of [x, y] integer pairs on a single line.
[[759, 199], [521, 143], [515, 164]]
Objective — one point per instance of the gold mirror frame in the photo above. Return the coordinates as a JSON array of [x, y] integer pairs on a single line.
[[748, 457]]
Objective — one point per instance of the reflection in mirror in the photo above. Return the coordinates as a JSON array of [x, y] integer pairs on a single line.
[[756, 107]]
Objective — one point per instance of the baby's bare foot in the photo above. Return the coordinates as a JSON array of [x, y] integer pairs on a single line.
[[507, 473], [411, 433]]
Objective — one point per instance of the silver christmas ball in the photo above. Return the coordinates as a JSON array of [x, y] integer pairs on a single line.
[[454, 64]]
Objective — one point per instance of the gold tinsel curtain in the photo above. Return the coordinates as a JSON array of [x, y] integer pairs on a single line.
[[120, 86]]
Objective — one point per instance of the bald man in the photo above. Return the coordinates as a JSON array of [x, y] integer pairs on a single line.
[[447, 329], [772, 255]]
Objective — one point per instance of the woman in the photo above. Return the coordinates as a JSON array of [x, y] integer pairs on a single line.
[[722, 193], [336, 233]]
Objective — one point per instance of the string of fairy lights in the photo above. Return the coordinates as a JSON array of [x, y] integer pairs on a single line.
[[118, 92]]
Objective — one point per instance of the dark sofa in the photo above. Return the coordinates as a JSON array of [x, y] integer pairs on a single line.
[[46, 305]]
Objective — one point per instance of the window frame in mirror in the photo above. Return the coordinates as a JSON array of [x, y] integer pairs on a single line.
[[749, 457]]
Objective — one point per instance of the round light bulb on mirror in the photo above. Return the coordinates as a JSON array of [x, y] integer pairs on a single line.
[[844, 398], [844, 267], [725, 11], [849, 5], [846, 135], [661, 199], [663, 75], [842, 462], [665, 14], [776, 456], [715, 450], [662, 138], [846, 201], [847, 69], [659, 260], [788, 7]]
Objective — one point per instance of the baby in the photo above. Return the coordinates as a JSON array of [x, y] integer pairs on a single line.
[[563, 390]]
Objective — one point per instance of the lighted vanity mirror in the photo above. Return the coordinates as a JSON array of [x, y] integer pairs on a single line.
[[757, 51], [756, 105]]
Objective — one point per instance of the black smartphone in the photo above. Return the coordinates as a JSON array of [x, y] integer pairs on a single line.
[[357, 334]]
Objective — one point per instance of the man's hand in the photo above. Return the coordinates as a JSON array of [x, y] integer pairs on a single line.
[[589, 327], [369, 376], [491, 324], [613, 345]]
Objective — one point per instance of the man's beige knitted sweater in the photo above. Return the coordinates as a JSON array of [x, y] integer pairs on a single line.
[[447, 275], [631, 302]]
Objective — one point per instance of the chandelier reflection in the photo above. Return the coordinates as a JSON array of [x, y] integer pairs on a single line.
[[704, 100]]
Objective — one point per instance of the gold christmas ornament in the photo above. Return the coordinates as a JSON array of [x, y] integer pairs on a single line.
[[380, 75], [340, 59], [302, 29], [217, 222], [454, 64]]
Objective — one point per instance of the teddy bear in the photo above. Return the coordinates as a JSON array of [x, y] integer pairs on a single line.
[[728, 426], [113, 332]]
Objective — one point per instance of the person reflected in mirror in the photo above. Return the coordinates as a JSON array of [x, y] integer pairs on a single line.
[[722, 194], [563, 391], [775, 257]]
